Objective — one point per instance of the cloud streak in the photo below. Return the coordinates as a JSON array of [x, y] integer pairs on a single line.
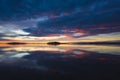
[[48, 20], [11, 31]]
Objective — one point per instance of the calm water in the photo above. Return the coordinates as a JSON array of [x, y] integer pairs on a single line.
[[64, 62]]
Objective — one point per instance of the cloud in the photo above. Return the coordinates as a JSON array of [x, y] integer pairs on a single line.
[[11, 31], [31, 22], [78, 34], [41, 18], [19, 55], [115, 36], [34, 38], [97, 13]]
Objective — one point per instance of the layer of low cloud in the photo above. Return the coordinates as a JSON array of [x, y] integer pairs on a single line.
[[11, 31]]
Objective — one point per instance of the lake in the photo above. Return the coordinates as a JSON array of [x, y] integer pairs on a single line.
[[60, 62]]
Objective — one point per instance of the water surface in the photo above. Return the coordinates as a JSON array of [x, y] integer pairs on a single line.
[[66, 61]]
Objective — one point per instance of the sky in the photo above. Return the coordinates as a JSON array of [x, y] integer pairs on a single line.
[[60, 20]]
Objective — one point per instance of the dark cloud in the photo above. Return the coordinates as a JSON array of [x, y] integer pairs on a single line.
[[20, 9], [80, 14], [26, 8], [98, 13]]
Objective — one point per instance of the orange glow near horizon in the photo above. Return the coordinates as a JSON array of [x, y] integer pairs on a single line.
[[63, 48], [65, 38]]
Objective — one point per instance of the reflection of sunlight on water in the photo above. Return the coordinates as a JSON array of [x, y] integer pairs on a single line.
[[30, 55], [65, 48]]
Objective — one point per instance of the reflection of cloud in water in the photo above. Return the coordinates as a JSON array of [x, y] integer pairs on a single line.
[[30, 56], [66, 48], [17, 60]]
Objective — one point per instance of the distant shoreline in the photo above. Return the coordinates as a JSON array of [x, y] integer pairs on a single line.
[[58, 43], [98, 43]]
